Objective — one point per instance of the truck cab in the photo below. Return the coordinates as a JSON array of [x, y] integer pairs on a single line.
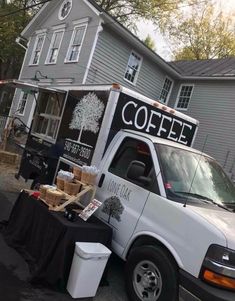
[[171, 211]]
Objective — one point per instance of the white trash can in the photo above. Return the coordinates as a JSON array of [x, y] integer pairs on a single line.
[[89, 261]]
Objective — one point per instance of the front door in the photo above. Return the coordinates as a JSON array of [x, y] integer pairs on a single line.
[[123, 196]]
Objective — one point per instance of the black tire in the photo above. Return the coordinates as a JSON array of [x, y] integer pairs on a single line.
[[151, 275]]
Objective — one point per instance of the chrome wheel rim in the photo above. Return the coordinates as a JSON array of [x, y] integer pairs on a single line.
[[147, 281]]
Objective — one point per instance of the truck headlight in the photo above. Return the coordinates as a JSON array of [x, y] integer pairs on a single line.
[[219, 267]]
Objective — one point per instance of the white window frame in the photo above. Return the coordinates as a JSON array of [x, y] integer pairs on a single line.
[[169, 92], [51, 46], [21, 100], [43, 35], [71, 43], [50, 118], [138, 70], [178, 96]]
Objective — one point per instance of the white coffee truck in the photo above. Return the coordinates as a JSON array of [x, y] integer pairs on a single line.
[[170, 206]]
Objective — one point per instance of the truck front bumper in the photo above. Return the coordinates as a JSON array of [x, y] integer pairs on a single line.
[[193, 289]]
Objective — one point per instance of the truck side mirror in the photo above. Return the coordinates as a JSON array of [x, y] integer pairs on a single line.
[[136, 171]]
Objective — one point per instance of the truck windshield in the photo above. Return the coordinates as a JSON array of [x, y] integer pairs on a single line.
[[194, 176]]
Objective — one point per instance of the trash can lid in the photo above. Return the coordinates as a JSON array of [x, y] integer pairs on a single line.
[[89, 250]]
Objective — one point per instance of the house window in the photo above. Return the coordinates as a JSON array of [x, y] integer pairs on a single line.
[[165, 93], [22, 103], [184, 97], [76, 43], [37, 49], [47, 119], [133, 67], [54, 47]]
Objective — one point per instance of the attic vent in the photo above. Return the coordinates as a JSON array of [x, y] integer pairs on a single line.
[[65, 9]]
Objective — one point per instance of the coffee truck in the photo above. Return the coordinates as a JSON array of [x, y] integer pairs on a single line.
[[173, 206], [87, 119]]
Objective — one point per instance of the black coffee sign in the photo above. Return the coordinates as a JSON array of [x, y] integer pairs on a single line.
[[83, 117], [134, 114]]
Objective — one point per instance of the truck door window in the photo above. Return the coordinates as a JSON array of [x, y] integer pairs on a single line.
[[134, 150]]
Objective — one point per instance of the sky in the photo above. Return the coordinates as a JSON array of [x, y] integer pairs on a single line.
[[162, 45]]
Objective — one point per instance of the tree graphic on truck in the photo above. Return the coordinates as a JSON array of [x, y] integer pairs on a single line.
[[86, 114], [113, 207]]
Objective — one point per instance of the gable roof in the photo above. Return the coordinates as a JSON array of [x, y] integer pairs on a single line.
[[48, 8], [206, 68]]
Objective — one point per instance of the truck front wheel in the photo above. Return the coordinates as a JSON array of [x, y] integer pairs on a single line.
[[151, 275]]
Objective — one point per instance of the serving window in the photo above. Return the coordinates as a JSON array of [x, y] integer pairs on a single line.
[[48, 115]]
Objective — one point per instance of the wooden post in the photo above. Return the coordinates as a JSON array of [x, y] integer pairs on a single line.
[[6, 133]]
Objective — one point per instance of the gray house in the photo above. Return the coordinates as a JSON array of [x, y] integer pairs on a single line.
[[74, 42]]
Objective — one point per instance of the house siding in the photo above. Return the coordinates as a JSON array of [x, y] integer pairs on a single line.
[[110, 61], [213, 104], [60, 70]]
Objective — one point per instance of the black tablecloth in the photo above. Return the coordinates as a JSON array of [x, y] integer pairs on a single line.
[[46, 239]]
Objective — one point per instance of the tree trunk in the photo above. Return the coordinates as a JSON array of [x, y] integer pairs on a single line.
[[80, 134], [110, 213]]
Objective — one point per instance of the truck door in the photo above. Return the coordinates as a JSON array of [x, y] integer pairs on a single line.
[[125, 183]]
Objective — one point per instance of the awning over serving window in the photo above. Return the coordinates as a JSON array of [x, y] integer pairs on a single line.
[[28, 87]]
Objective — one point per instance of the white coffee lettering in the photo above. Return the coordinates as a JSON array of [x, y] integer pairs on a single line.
[[161, 128], [123, 112], [150, 124], [138, 126], [172, 134], [182, 136]]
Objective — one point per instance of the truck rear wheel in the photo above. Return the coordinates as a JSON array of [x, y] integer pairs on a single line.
[[151, 275]]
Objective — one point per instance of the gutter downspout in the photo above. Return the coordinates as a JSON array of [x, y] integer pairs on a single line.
[[18, 42]]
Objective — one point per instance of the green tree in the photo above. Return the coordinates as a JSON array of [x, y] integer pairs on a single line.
[[148, 41], [204, 35], [14, 16], [129, 11]]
